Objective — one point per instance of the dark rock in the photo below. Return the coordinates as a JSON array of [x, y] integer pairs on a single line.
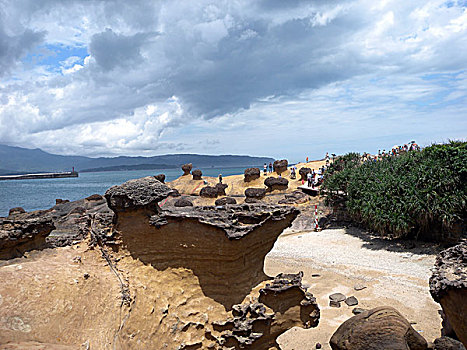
[[296, 197], [337, 297], [183, 202], [220, 188], [359, 286], [78, 210], [174, 193], [251, 174], [358, 310], [351, 301], [254, 193], [448, 286], [208, 192], [95, 197], [334, 303], [363, 331], [16, 210], [187, 168], [160, 177], [197, 174], [303, 173], [225, 201], [280, 166], [19, 235], [446, 343], [276, 183], [137, 194], [60, 201], [318, 346]]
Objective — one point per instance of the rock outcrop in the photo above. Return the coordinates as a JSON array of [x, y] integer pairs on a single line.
[[197, 174], [208, 192], [225, 201], [276, 183], [280, 166], [377, 329], [16, 210], [446, 343], [187, 168], [251, 174], [183, 202], [253, 195], [296, 197], [220, 188], [160, 177], [303, 173], [448, 286]]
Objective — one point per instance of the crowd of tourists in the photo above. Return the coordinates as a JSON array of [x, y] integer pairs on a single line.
[[393, 152]]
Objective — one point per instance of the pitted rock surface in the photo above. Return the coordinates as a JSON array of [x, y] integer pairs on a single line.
[[276, 183], [296, 197], [187, 168], [17, 210], [225, 201], [183, 202], [303, 173], [208, 192], [255, 193], [220, 188], [140, 193], [197, 174], [280, 166], [160, 177], [251, 174], [448, 286]]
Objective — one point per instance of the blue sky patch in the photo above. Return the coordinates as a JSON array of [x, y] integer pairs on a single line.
[[52, 56]]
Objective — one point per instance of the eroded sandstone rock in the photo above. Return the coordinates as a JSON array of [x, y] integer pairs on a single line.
[[448, 286], [303, 173], [296, 197], [276, 183], [254, 194], [208, 192], [377, 329], [16, 210], [251, 174], [160, 177], [197, 174], [187, 168], [225, 201], [183, 202], [280, 166], [220, 188]]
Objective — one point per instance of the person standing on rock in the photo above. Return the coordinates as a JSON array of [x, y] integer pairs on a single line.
[[270, 167], [309, 179], [220, 178]]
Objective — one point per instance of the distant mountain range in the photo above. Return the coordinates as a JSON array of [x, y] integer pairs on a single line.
[[15, 160]]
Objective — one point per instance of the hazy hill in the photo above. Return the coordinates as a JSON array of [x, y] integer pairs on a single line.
[[20, 160]]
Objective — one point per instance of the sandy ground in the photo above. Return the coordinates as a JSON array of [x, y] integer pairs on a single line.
[[336, 260]]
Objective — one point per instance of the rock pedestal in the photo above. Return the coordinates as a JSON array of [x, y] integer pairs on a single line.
[[276, 183], [280, 166], [197, 174], [160, 177], [253, 195], [251, 174], [187, 168], [303, 173]]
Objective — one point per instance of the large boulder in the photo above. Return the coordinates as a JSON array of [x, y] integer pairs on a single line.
[[160, 177], [280, 166], [208, 192], [221, 189], [446, 343], [303, 173], [187, 168], [377, 329], [254, 194], [448, 286], [251, 174], [225, 201], [197, 174], [276, 183]]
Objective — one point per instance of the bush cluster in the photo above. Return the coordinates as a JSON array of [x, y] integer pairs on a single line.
[[414, 195]]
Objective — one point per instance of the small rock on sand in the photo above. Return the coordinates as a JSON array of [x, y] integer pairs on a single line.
[[333, 303], [337, 297], [351, 301], [359, 287], [357, 310]]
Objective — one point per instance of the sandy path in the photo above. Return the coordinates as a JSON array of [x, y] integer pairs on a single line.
[[393, 276]]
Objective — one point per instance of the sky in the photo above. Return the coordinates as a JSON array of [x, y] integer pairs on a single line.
[[286, 79]]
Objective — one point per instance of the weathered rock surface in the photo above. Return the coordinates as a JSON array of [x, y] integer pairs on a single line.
[[187, 168], [296, 197], [276, 183], [16, 210], [446, 343], [254, 194], [377, 329], [280, 166], [38, 346], [251, 174], [197, 174], [225, 201], [208, 192], [160, 177], [183, 202], [18, 235], [448, 286], [220, 188], [303, 173]]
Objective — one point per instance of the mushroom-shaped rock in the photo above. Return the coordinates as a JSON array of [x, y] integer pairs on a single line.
[[16, 210], [197, 174], [251, 174], [280, 166], [254, 194], [137, 194], [187, 168], [160, 177], [364, 331], [276, 183], [183, 202], [208, 192], [225, 201], [220, 188], [303, 173], [448, 286]]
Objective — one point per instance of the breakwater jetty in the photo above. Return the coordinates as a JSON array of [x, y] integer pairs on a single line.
[[40, 176]]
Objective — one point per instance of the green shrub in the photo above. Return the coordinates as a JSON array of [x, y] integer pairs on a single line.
[[417, 194]]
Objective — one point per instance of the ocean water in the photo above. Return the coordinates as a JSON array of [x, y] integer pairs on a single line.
[[41, 193]]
